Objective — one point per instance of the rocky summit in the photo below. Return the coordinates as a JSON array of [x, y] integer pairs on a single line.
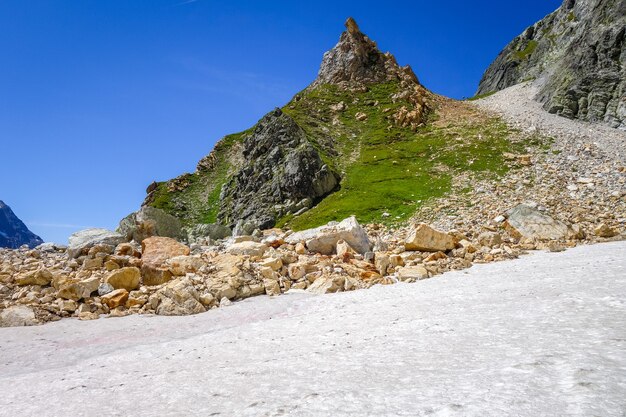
[[13, 232], [577, 57]]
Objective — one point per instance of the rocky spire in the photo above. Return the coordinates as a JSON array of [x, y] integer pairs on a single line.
[[356, 60]]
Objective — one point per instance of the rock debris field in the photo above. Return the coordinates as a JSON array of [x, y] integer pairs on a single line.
[[542, 335]]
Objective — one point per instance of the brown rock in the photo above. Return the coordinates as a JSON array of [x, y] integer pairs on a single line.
[[425, 238], [115, 298], [39, 277], [126, 278], [604, 230], [156, 252], [412, 273], [76, 289]]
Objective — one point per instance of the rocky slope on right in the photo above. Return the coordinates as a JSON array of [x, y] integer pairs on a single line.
[[577, 57]]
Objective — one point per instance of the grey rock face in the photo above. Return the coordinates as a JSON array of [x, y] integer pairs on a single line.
[[13, 232], [531, 223], [281, 168], [578, 54], [203, 232], [147, 222], [85, 239]]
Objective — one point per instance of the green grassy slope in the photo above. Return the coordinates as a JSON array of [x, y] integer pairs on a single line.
[[385, 168]]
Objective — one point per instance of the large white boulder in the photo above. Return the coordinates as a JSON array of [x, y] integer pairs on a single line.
[[324, 239], [85, 239]]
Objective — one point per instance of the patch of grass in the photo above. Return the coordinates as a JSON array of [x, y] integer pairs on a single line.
[[195, 198], [479, 96], [571, 17], [527, 51]]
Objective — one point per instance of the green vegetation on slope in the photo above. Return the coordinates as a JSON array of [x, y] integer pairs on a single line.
[[194, 198], [527, 51], [386, 168], [387, 171]]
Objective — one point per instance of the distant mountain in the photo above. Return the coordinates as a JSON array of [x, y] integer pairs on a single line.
[[577, 55], [13, 232]]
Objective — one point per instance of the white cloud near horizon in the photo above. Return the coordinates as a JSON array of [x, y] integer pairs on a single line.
[[58, 225]]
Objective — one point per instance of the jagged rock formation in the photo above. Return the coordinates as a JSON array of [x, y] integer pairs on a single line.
[[13, 232], [283, 173], [578, 56], [356, 60]]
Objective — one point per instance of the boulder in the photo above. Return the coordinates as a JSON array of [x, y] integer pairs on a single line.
[[115, 298], [330, 284], [156, 252], [489, 239], [179, 298], [148, 222], [39, 277], [412, 273], [80, 242], [272, 287], [324, 239], [181, 265], [526, 221], [127, 278], [425, 238], [248, 248], [16, 316], [604, 230], [201, 233], [75, 289]]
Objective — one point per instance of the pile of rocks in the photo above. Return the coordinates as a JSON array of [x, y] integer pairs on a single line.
[[101, 273]]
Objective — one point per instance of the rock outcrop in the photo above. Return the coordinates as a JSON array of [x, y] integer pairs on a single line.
[[356, 60], [282, 169], [577, 55], [13, 232]]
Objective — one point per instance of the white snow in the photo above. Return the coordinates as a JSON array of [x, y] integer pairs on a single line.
[[544, 335]]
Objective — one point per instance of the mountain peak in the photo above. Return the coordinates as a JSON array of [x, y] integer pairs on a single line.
[[13, 232], [356, 61]]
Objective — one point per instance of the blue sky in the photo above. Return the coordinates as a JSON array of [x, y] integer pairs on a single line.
[[98, 98]]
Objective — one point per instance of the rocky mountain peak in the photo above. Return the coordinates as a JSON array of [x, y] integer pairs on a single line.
[[356, 61], [13, 232]]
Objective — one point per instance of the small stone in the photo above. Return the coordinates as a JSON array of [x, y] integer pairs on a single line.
[[604, 230], [105, 288], [115, 298], [272, 287], [412, 272], [38, 277], [360, 116]]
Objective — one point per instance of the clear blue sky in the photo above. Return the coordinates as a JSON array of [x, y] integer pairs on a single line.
[[98, 98]]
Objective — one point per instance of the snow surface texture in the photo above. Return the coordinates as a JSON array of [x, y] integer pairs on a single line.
[[544, 335]]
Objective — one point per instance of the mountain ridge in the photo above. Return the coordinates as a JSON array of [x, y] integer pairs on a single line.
[[13, 232], [576, 55]]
